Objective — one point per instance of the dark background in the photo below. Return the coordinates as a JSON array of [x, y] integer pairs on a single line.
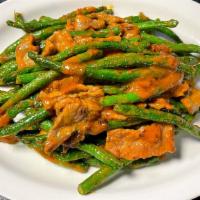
[[2, 198]]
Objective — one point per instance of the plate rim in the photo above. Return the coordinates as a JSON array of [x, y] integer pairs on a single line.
[[189, 178]]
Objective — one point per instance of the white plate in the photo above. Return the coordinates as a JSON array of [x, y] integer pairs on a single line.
[[24, 175]]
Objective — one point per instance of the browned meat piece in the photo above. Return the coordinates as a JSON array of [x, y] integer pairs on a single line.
[[59, 41], [97, 127], [82, 22], [56, 91], [162, 48], [172, 61], [180, 90], [160, 103], [109, 19], [83, 39], [25, 45], [9, 139], [109, 114], [70, 135], [148, 141], [74, 115], [149, 86], [98, 24], [129, 30], [192, 101]]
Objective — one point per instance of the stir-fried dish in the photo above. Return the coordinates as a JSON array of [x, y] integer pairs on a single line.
[[98, 90]]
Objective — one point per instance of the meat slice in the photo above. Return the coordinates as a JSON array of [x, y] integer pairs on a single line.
[[82, 22], [59, 41], [9, 139], [161, 103], [25, 45], [162, 48], [152, 140], [57, 137], [109, 114], [148, 87], [97, 127], [57, 90], [192, 101], [74, 116], [180, 90]]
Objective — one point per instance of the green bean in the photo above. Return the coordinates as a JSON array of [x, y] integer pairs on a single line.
[[190, 71], [46, 125], [103, 33], [131, 59], [13, 111], [110, 89], [189, 60], [123, 45], [37, 142], [162, 29], [46, 19], [179, 109], [94, 162], [21, 106], [151, 24], [113, 124], [135, 19], [7, 71], [27, 78], [158, 116], [34, 25], [86, 56], [42, 34], [46, 63], [190, 66], [184, 48], [100, 154], [171, 34], [136, 96], [8, 80], [29, 89], [33, 141], [6, 57], [96, 179], [8, 67], [84, 11], [4, 96], [46, 32], [71, 155], [147, 24], [19, 19], [121, 99], [99, 177], [121, 76], [174, 47], [109, 75], [122, 60], [22, 124], [30, 111], [137, 164], [10, 50], [28, 70]]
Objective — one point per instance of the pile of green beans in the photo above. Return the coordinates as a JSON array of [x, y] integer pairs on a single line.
[[133, 59]]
